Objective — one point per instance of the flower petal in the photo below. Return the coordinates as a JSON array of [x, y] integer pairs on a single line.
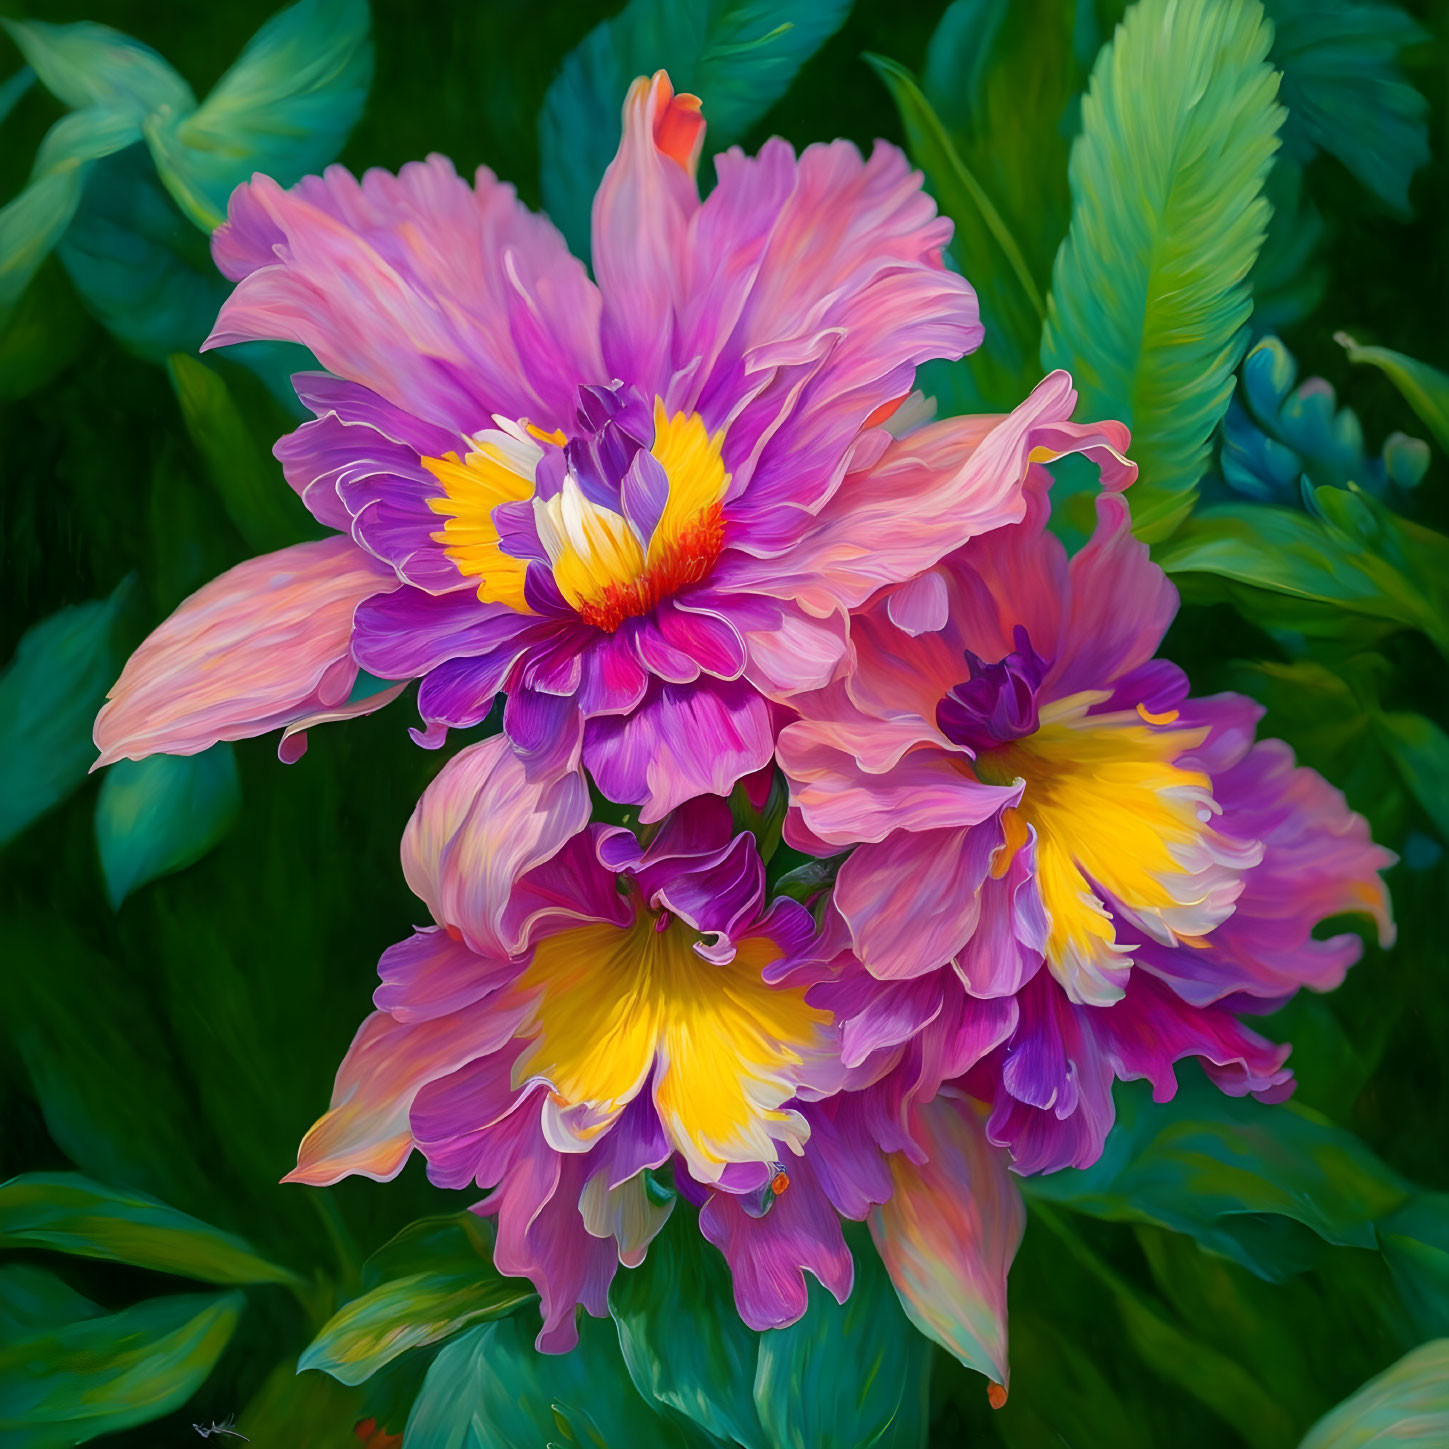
[[948, 1233], [264, 645]]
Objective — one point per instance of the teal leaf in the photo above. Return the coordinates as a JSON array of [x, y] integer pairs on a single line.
[[436, 1282], [1415, 1243], [284, 108], [14, 88], [32, 224], [67, 1213], [1425, 388], [491, 1389], [254, 493], [984, 245], [1149, 301], [49, 695], [738, 56], [1345, 92], [1356, 557], [159, 815], [1406, 1404], [1289, 277], [32, 1300], [1276, 433], [1420, 751], [707, 1372], [1244, 1179], [846, 1375], [66, 1385], [92, 65]]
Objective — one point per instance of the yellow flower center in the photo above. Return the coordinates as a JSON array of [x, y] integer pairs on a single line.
[[615, 1010], [1115, 815], [604, 569]]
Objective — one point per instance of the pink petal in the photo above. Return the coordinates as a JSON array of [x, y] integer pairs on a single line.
[[948, 1233], [640, 225], [365, 1130], [452, 302], [266, 644], [482, 824]]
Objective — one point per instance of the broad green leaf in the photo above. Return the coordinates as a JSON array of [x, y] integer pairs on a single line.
[[68, 1213], [1149, 301], [1415, 1243], [1345, 92], [706, 1370], [257, 500], [1289, 277], [1222, 1386], [49, 695], [846, 1375], [92, 65], [738, 56], [1358, 557], [66, 1385], [1242, 1178], [159, 815], [32, 1300], [44, 332], [311, 1411], [284, 108], [1406, 1404], [435, 1286], [100, 1064], [1425, 388], [984, 245], [1420, 750], [32, 224], [491, 1389]]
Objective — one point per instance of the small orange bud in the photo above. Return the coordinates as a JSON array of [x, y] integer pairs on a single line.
[[996, 1395], [364, 1429], [779, 1182]]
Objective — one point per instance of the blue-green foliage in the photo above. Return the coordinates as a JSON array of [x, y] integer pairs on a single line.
[[1276, 434], [1149, 302]]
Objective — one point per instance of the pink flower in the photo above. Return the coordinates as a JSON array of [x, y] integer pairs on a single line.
[[1022, 785], [641, 507]]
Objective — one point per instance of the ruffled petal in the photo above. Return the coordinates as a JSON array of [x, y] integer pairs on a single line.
[[683, 740], [266, 644], [452, 302], [948, 1233], [480, 826]]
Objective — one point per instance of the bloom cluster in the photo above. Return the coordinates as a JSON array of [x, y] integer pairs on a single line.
[[689, 520]]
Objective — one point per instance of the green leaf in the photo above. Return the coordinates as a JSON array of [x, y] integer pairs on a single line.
[[1415, 1242], [705, 1371], [43, 334], [1345, 92], [49, 696], [1149, 302], [159, 815], [32, 1300], [1425, 388], [1242, 1178], [437, 1282], [1222, 1386], [32, 224], [1011, 301], [1406, 1404], [490, 1389], [265, 511], [92, 65], [311, 1411], [1420, 750], [14, 88], [66, 1385], [739, 56], [846, 1375], [1357, 557], [1289, 277], [68, 1213], [285, 108]]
